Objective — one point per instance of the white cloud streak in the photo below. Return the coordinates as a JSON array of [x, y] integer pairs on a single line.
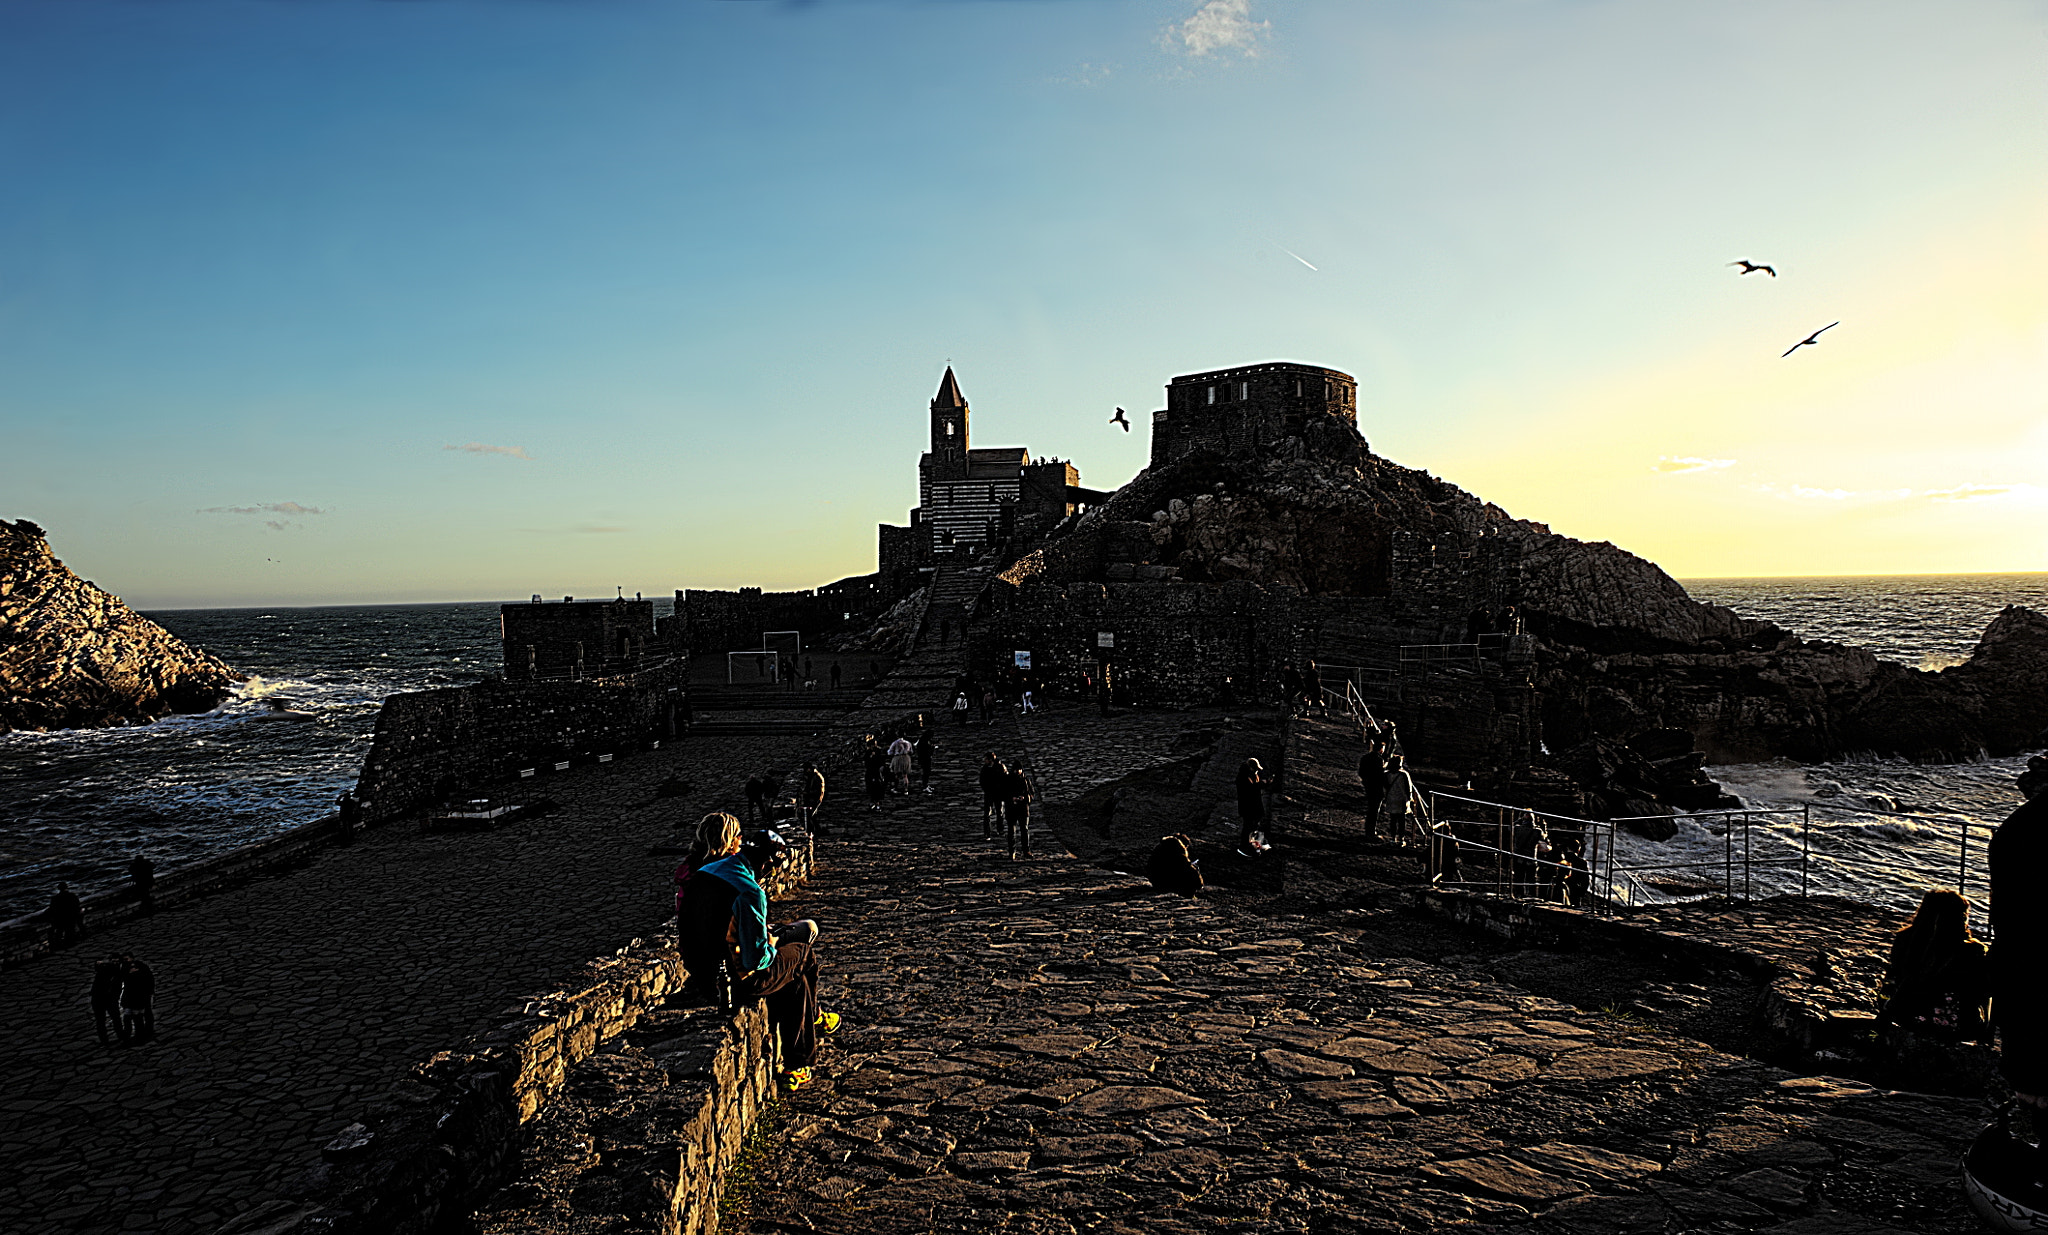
[[289, 509], [1682, 464], [485, 448], [1219, 26]]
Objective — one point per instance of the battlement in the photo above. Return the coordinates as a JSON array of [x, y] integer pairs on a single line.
[[1242, 410], [577, 638]]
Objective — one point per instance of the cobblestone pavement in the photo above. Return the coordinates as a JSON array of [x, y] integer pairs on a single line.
[[1049, 1047], [284, 1004]]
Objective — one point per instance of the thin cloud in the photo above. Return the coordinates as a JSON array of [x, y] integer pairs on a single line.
[[580, 529], [1969, 493], [485, 448], [1085, 75], [1297, 257], [288, 509], [1218, 26], [1681, 464]]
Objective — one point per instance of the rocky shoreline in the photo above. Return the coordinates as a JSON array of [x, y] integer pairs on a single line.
[[75, 657]]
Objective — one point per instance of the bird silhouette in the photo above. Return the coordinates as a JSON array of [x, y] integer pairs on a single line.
[[1810, 340], [1750, 267], [1118, 419]]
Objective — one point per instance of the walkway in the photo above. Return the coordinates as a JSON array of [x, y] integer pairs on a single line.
[[1049, 1047], [286, 1005]]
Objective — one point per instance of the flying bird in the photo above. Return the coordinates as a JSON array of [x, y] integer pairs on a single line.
[[1810, 340], [1750, 267], [1118, 419]]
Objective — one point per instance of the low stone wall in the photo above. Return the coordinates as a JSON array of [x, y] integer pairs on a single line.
[[26, 938], [435, 1147], [1805, 1014], [432, 743]]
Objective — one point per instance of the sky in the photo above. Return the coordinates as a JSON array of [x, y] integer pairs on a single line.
[[354, 301]]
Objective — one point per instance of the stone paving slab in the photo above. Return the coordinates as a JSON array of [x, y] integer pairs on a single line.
[[287, 1004], [1049, 1047]]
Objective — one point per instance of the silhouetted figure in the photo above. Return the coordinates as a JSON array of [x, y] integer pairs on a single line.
[[757, 798], [924, 751], [142, 872], [835, 675], [993, 776], [1171, 868], [138, 1000], [1939, 977], [1810, 340], [350, 808], [1290, 687], [1312, 686], [1017, 795], [2019, 930], [106, 1001], [1750, 267], [875, 769], [812, 796], [1252, 783], [1226, 696], [1372, 779], [65, 916]]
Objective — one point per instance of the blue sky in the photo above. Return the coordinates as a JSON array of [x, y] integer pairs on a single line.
[[692, 269]]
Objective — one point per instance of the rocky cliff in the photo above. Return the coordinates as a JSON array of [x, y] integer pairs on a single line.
[[1621, 649], [74, 657]]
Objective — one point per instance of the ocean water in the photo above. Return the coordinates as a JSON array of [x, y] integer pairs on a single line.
[[78, 805]]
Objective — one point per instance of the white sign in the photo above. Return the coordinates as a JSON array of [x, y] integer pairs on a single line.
[[1023, 660], [1104, 639]]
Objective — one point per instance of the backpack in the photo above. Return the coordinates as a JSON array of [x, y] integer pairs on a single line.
[[1171, 869]]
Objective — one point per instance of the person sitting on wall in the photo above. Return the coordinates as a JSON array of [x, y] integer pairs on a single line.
[[1170, 867], [717, 836], [725, 916], [1939, 977]]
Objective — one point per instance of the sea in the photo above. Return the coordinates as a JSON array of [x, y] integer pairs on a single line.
[[77, 805]]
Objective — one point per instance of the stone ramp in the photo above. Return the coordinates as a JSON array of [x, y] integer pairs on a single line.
[[1050, 1048]]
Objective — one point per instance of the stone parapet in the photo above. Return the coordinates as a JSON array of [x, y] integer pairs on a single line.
[[434, 1147]]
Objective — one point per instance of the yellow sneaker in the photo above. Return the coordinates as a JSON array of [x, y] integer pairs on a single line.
[[828, 1022], [796, 1078]]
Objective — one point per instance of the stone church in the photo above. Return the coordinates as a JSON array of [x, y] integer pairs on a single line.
[[972, 500]]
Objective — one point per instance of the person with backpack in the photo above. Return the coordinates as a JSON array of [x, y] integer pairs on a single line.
[[724, 926]]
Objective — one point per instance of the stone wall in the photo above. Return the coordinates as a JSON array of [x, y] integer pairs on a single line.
[[576, 639], [718, 621], [425, 1156], [433, 743], [1241, 411]]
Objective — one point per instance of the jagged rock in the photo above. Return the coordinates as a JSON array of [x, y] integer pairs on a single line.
[[74, 657]]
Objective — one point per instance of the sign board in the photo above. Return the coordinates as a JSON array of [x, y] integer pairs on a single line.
[[1023, 660], [1105, 639]]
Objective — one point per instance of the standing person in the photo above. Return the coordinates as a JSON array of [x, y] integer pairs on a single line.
[[810, 673], [142, 872], [757, 797], [725, 916], [993, 777], [1027, 706], [875, 768], [1017, 795], [1226, 695], [106, 1000], [1252, 783], [988, 705], [1290, 687], [899, 764], [835, 675], [925, 748], [812, 797], [960, 707], [1403, 802], [2019, 939], [1103, 689], [65, 915], [138, 999], [1372, 778], [1312, 687]]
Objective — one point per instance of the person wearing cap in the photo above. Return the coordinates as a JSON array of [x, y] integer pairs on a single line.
[[723, 918]]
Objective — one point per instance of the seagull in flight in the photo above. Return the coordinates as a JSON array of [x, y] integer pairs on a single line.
[[1750, 267], [1810, 340], [1118, 419]]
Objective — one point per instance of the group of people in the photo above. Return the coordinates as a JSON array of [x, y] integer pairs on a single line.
[[887, 770], [1006, 796], [1301, 690], [1014, 688], [764, 797], [124, 1000], [1390, 793], [732, 953]]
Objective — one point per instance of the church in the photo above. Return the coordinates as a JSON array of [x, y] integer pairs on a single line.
[[973, 500]]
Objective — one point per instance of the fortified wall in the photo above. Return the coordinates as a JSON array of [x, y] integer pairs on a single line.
[[721, 621], [582, 680]]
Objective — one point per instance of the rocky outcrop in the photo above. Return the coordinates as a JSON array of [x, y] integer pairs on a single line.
[[1620, 648], [74, 657]]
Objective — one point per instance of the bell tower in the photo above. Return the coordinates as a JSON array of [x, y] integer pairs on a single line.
[[949, 428]]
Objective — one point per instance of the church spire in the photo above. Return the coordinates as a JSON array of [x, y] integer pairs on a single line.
[[949, 392]]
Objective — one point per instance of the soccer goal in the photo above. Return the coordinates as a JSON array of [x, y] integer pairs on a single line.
[[788, 642], [766, 666]]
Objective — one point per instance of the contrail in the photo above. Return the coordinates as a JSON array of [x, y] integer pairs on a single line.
[[1297, 257]]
